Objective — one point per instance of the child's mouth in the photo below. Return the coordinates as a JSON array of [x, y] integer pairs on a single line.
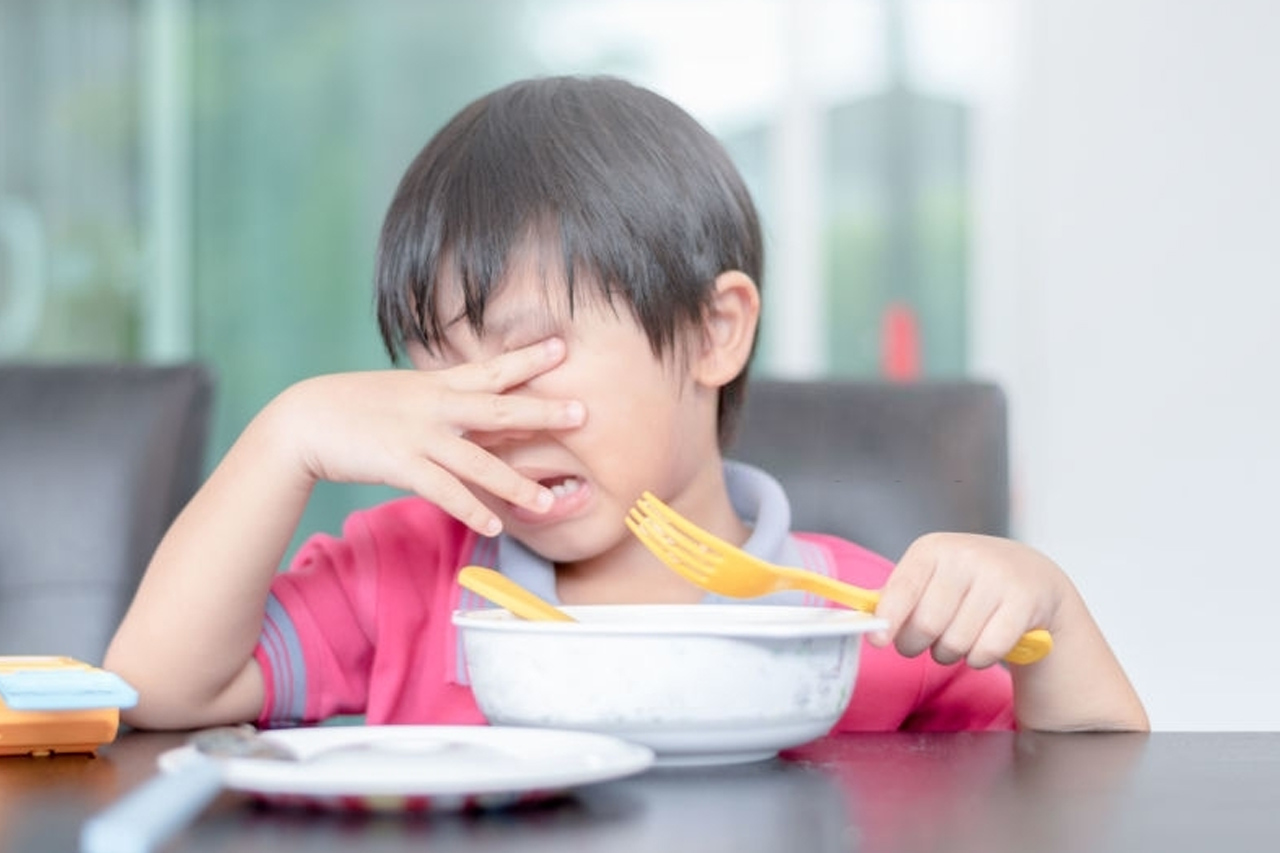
[[562, 486], [571, 495]]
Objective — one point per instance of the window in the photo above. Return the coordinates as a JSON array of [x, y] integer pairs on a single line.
[[208, 179]]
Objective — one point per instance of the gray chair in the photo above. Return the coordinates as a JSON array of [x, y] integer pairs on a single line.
[[95, 462], [881, 463]]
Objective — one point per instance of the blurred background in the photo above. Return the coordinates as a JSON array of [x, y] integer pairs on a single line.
[[1068, 197]]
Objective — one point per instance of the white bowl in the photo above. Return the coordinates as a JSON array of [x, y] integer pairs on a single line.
[[698, 684]]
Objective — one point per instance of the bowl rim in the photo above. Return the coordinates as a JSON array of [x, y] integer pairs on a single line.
[[780, 621]]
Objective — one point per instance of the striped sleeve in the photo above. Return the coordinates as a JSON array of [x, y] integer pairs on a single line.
[[316, 645], [279, 655]]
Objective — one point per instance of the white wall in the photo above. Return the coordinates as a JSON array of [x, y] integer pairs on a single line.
[[1128, 297]]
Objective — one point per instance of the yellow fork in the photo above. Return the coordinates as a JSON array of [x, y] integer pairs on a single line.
[[709, 562]]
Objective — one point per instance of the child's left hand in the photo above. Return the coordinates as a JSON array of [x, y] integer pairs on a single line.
[[968, 597]]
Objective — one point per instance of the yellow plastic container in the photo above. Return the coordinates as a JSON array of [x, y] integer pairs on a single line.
[[51, 704]]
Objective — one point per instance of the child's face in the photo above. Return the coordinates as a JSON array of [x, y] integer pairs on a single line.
[[650, 424]]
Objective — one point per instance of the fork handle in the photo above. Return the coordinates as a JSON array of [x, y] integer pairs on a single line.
[[851, 596], [1031, 646]]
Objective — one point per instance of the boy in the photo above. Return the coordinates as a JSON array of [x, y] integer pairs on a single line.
[[572, 267]]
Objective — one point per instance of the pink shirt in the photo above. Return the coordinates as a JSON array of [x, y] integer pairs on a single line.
[[361, 624]]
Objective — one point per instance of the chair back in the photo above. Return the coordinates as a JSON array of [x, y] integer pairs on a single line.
[[95, 462], [881, 463]]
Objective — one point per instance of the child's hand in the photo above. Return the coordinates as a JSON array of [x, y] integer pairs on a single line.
[[968, 597], [408, 429]]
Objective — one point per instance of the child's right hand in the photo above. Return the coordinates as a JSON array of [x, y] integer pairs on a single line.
[[409, 429]]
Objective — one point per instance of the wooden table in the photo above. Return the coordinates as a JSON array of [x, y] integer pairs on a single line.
[[886, 792]]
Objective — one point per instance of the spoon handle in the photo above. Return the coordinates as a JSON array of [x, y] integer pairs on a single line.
[[505, 592], [148, 815]]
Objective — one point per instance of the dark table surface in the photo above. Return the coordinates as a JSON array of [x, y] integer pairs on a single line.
[[989, 792]]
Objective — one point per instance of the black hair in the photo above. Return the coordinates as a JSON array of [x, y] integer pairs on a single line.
[[643, 202]]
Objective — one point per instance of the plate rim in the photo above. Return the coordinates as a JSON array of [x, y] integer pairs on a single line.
[[623, 758]]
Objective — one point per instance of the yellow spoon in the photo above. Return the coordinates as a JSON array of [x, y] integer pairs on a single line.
[[504, 592]]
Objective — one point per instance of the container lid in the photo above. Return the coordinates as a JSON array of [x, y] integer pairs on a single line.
[[68, 686]]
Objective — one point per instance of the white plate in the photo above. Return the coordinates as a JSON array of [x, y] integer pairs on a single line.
[[424, 768]]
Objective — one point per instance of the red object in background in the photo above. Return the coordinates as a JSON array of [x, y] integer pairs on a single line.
[[899, 343]]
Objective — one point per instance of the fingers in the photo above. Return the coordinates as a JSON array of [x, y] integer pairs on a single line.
[[475, 466], [507, 370], [975, 632], [448, 492], [997, 638], [455, 468], [935, 605], [948, 625], [958, 597], [476, 395], [473, 412], [944, 615], [418, 430], [901, 593], [473, 404]]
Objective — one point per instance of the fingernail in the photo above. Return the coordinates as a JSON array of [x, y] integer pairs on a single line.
[[553, 346], [545, 499], [575, 412], [493, 527]]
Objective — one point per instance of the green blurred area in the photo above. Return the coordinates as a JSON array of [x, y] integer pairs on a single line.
[[303, 124], [304, 115]]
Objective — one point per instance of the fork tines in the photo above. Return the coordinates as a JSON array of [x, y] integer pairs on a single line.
[[670, 537]]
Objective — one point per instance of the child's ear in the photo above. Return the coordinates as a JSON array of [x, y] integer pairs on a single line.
[[728, 330]]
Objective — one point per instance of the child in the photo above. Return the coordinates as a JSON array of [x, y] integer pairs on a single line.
[[571, 265]]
